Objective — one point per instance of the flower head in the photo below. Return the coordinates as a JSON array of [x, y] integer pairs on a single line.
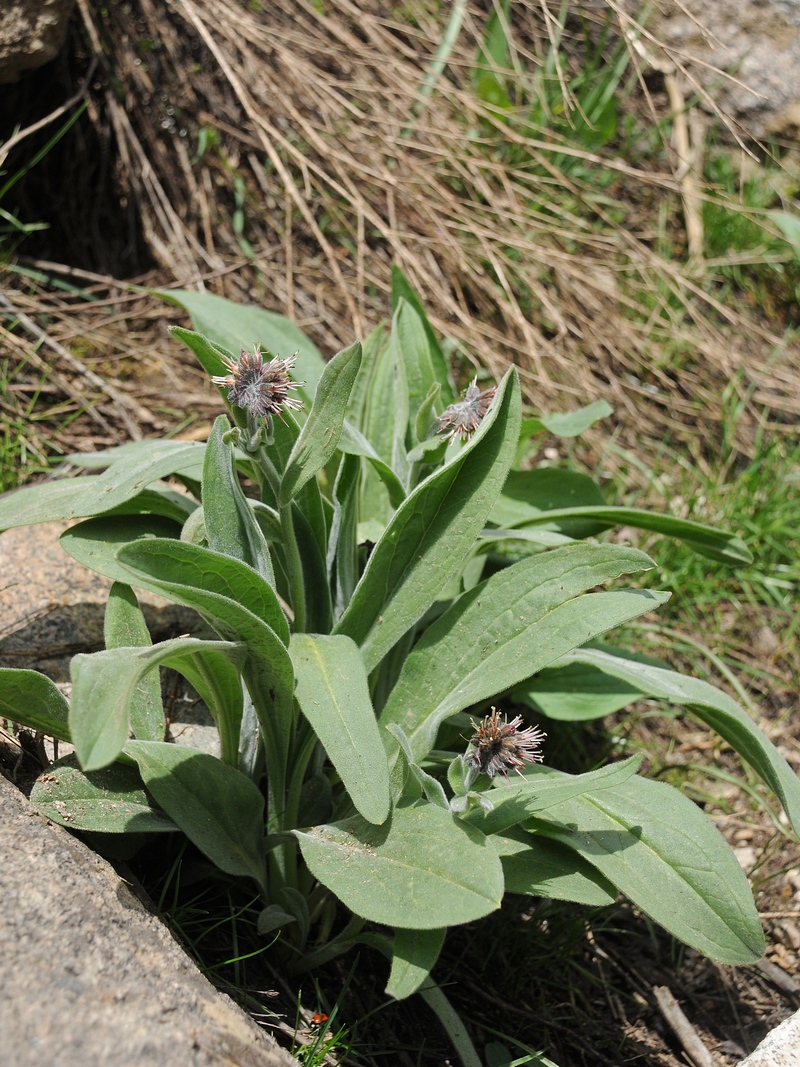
[[498, 744], [263, 389], [464, 417]]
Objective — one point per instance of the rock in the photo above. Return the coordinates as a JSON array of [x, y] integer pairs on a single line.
[[53, 607], [755, 41], [91, 978], [31, 34], [780, 1048]]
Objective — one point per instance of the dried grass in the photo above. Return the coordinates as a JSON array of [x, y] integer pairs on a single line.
[[312, 104]]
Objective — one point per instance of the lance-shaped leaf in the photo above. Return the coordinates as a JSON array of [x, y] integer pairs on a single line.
[[513, 802], [103, 686], [235, 327], [240, 606], [124, 627], [218, 808], [430, 534], [81, 497], [403, 290], [562, 500], [320, 435], [708, 703], [333, 694], [110, 801], [409, 337], [32, 700], [509, 627], [566, 424], [342, 557], [231, 527], [414, 954], [421, 869], [539, 867], [666, 856], [95, 543], [354, 443]]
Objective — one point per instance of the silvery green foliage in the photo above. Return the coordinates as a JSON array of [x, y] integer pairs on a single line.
[[386, 580]]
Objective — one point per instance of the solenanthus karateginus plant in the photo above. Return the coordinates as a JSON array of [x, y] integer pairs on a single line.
[[392, 578]]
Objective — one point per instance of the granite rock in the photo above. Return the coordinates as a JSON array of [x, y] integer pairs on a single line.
[[32, 33]]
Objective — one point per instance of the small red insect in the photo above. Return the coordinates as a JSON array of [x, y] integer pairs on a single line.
[[318, 1018]]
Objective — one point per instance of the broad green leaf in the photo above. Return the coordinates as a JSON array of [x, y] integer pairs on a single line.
[[333, 694], [403, 290], [355, 444], [342, 557], [173, 568], [422, 869], [240, 606], [789, 225], [508, 628], [427, 539], [538, 867], [372, 347], [110, 801], [124, 626], [319, 437], [527, 495], [572, 504], [238, 327], [103, 686], [316, 588], [415, 952], [78, 498], [31, 699], [385, 422], [515, 801], [666, 856], [231, 527], [218, 808], [715, 708], [95, 543], [568, 424], [414, 350], [217, 679]]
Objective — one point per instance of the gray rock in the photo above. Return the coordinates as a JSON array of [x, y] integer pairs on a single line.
[[780, 1048], [31, 34], [756, 41], [90, 977]]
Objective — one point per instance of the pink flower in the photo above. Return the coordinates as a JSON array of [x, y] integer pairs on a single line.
[[498, 745], [263, 389]]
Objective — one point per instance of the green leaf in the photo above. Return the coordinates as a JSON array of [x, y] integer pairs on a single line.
[[414, 351], [342, 558], [527, 495], [427, 539], [372, 348], [32, 700], [509, 627], [333, 694], [103, 686], [513, 802], [124, 626], [422, 869], [240, 606], [319, 437], [567, 424], [81, 497], [667, 857], [403, 290], [713, 707], [355, 444], [415, 952], [231, 527], [238, 327], [111, 801], [563, 500], [218, 808], [789, 225], [95, 543], [538, 867]]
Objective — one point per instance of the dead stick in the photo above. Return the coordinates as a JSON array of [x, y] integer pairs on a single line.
[[682, 1028]]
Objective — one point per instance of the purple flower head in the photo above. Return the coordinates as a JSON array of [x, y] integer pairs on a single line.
[[464, 417], [263, 389], [498, 745]]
